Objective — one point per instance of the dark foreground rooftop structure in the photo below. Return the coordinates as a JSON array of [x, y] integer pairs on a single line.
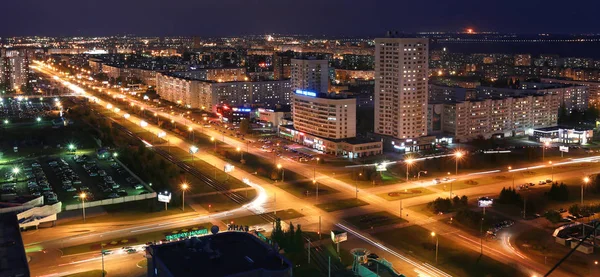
[[13, 261], [223, 254]]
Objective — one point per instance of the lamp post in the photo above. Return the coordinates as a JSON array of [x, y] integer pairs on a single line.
[[82, 196], [512, 175], [586, 180], [546, 144], [457, 156], [408, 163], [317, 189], [282, 172], [437, 243], [193, 150], [184, 187], [192, 132], [72, 148], [38, 119], [356, 184], [15, 172], [241, 153], [419, 174], [215, 141], [551, 170]]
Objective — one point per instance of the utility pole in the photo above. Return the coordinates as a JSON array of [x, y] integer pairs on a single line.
[[308, 250]]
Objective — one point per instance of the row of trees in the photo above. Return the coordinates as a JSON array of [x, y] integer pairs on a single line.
[[291, 240], [445, 205]]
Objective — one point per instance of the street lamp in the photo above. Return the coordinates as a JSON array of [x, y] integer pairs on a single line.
[[512, 175], [317, 190], [184, 187], [437, 243], [408, 163], [192, 132], [6, 121], [282, 172], [38, 119], [586, 180], [193, 150], [457, 156], [72, 148], [82, 196], [241, 153], [546, 144], [15, 172], [215, 141], [552, 170]]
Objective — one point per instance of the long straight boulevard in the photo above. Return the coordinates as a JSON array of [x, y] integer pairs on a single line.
[[266, 199]]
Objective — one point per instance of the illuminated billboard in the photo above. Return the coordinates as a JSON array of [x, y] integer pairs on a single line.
[[306, 93]]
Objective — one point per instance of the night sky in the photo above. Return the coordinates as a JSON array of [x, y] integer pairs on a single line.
[[329, 17]]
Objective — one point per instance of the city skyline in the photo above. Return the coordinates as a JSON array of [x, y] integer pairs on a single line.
[[184, 17]]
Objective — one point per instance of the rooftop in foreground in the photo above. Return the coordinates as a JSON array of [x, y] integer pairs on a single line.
[[222, 254]]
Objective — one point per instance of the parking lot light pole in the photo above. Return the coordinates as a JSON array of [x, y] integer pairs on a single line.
[[82, 196], [15, 172], [546, 144], [215, 141]]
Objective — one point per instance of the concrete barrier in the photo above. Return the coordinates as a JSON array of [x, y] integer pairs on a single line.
[[111, 201]]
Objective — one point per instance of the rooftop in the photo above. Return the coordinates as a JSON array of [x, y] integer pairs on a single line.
[[222, 254], [13, 261]]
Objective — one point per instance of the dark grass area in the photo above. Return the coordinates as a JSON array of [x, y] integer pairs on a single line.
[[452, 258], [341, 204], [373, 220]]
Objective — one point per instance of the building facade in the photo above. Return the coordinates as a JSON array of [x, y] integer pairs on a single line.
[[510, 116], [199, 94], [401, 72], [328, 116], [310, 74]]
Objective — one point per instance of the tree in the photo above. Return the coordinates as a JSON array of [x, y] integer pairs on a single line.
[[277, 235], [558, 192], [298, 239], [245, 126], [574, 209], [553, 216]]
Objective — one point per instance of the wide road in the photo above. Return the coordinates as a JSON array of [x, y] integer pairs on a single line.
[[467, 240]]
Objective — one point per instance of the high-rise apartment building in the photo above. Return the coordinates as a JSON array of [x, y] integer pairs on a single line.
[[401, 73], [310, 74], [282, 65], [14, 68]]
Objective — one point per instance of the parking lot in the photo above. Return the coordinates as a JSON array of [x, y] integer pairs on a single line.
[[66, 177], [17, 109]]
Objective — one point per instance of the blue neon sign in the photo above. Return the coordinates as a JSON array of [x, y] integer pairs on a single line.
[[306, 93]]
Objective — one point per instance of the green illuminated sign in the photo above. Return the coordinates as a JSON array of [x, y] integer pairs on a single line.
[[187, 234]]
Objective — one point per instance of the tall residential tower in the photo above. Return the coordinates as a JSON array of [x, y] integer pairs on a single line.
[[401, 73]]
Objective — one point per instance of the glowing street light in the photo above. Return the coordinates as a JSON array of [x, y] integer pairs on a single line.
[[282, 172], [241, 153], [6, 121], [215, 142], [408, 163], [82, 196], [586, 180], [546, 144], [437, 243], [457, 156], [38, 119], [193, 150], [184, 187]]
